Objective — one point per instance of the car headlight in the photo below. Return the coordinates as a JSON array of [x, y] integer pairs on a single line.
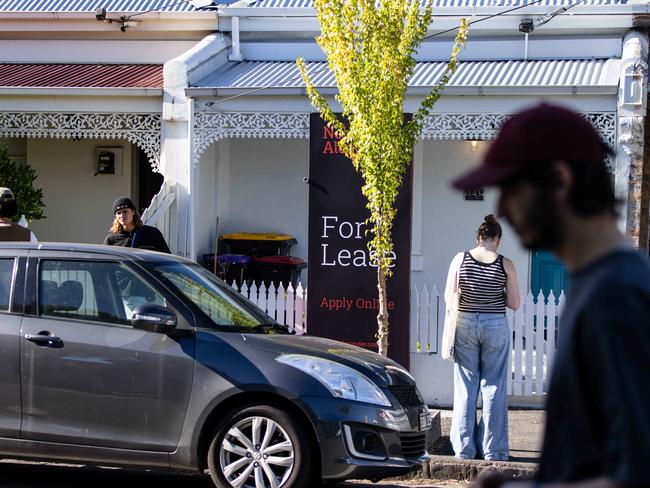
[[340, 380]]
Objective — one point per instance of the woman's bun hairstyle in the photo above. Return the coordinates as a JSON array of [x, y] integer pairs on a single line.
[[489, 229]]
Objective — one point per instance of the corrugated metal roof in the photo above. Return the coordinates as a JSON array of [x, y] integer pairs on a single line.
[[451, 3], [284, 74], [14, 75], [61, 6]]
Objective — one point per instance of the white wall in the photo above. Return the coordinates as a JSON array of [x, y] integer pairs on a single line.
[[209, 189], [448, 221], [78, 204], [259, 188]]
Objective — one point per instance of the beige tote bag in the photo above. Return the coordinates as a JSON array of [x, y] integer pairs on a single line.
[[452, 300]]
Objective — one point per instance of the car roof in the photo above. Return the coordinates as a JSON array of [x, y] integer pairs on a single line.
[[114, 251]]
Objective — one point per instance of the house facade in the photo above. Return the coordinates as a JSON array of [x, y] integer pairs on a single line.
[[233, 118], [244, 108], [75, 88]]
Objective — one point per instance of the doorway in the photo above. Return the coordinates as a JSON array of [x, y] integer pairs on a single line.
[[148, 182]]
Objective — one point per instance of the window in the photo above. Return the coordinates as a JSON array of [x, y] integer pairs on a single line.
[[6, 276], [224, 306], [92, 290]]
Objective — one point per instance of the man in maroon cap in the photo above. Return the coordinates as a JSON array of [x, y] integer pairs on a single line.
[[555, 191]]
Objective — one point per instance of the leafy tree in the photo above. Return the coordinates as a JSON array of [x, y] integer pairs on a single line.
[[370, 47], [19, 177]]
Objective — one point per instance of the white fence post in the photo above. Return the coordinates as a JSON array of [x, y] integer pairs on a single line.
[[551, 326], [528, 337], [539, 344], [518, 321], [300, 324]]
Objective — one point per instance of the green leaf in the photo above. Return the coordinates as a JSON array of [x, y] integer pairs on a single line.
[[20, 177]]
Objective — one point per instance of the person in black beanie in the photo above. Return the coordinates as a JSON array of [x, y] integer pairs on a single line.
[[129, 231]]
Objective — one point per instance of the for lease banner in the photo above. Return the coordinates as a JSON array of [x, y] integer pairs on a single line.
[[343, 301]]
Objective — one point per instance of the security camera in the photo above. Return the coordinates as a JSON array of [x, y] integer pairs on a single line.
[[100, 14], [526, 26]]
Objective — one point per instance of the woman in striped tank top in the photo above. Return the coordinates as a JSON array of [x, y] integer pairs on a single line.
[[488, 284]]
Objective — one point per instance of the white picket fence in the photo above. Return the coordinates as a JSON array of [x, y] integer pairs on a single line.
[[534, 328], [286, 306]]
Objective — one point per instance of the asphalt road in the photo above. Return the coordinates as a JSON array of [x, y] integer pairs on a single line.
[[40, 475]]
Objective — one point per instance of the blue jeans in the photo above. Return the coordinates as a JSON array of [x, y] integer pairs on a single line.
[[481, 354]]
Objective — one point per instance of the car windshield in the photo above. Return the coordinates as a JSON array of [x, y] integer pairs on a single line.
[[223, 305]]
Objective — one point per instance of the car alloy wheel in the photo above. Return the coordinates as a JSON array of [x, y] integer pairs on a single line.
[[260, 447], [256, 452]]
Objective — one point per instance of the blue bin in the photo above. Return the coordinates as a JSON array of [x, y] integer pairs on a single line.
[[230, 267]]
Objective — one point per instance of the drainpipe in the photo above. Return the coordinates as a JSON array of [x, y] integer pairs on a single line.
[[632, 103], [236, 45]]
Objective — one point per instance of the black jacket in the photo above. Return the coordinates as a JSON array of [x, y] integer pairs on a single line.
[[143, 237]]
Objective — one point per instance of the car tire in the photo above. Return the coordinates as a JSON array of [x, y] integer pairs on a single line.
[[252, 446]]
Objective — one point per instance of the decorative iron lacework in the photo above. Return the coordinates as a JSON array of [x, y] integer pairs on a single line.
[[486, 126], [210, 127], [142, 129]]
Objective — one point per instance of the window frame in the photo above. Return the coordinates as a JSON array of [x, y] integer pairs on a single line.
[[36, 280], [12, 284]]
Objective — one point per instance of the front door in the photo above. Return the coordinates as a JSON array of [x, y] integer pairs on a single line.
[[97, 381], [547, 273]]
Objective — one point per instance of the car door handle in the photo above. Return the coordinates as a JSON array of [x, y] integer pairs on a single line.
[[44, 339]]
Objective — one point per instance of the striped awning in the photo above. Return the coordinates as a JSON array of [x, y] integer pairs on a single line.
[[481, 75], [18, 75], [61, 6], [450, 3]]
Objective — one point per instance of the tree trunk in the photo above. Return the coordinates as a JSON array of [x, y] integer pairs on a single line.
[[382, 317]]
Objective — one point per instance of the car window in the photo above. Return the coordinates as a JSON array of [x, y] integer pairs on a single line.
[[92, 290], [6, 275], [221, 304]]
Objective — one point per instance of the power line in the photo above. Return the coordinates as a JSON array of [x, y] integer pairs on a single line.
[[498, 14]]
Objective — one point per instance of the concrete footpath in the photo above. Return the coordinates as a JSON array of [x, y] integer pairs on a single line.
[[526, 428]]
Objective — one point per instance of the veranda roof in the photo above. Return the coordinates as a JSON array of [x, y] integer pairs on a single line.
[[482, 77]]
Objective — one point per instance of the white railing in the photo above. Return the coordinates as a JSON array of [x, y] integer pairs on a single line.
[[286, 306], [534, 328], [159, 214], [159, 204]]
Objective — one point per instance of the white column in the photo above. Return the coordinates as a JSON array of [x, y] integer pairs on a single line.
[[417, 263], [192, 163], [632, 103]]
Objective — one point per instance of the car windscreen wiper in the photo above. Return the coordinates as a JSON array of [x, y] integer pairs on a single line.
[[275, 327]]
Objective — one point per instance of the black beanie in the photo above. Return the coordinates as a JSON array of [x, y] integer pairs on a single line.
[[123, 202]]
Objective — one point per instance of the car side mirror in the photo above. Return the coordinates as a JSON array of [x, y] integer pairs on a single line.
[[154, 318]]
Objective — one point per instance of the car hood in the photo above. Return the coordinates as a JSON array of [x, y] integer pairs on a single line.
[[382, 370]]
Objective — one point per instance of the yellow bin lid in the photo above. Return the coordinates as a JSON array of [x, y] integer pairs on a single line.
[[256, 236]]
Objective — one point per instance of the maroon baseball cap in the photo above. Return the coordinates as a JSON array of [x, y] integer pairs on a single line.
[[539, 135]]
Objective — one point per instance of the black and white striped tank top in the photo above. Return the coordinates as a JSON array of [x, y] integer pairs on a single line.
[[482, 285]]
